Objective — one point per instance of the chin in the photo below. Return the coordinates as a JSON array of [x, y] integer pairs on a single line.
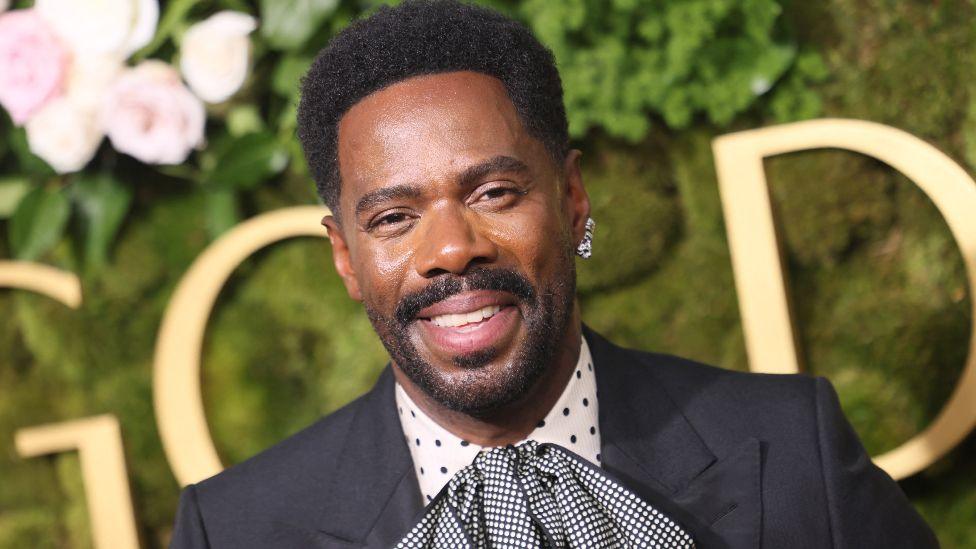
[[476, 360], [478, 343], [476, 384]]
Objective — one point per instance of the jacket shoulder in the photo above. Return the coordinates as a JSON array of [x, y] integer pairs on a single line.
[[289, 475], [727, 405], [689, 380]]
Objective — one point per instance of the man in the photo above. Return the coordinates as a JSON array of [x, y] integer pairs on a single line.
[[436, 134]]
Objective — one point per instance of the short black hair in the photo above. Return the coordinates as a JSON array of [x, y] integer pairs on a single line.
[[420, 37]]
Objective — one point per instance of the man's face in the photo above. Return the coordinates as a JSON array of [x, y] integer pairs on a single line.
[[458, 231]]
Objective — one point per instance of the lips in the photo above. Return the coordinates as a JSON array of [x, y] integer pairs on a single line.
[[467, 302], [469, 322], [455, 320]]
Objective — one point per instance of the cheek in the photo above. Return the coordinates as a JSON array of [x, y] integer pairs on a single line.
[[534, 238], [392, 264], [381, 272]]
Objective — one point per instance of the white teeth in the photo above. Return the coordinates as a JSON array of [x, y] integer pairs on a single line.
[[460, 319]]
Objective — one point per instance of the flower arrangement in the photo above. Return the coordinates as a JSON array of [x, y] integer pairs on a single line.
[[75, 72], [194, 99], [63, 77]]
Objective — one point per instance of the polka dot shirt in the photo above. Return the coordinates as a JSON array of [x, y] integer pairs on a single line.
[[438, 454], [540, 495]]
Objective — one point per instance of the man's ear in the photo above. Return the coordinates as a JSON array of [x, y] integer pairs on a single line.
[[340, 257], [576, 200]]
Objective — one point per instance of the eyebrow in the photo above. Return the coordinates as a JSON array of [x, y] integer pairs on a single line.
[[469, 176], [500, 163], [378, 196]]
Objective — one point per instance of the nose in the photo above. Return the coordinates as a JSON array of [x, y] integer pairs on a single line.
[[451, 243]]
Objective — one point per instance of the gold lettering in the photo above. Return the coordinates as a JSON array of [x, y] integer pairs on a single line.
[[98, 440], [758, 269], [49, 281], [176, 370]]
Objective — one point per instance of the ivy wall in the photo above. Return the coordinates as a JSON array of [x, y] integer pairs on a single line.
[[881, 300]]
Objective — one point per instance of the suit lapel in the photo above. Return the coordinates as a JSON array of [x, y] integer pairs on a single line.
[[727, 496], [374, 496], [649, 444]]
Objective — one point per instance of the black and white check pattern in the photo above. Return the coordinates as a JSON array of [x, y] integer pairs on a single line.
[[539, 495]]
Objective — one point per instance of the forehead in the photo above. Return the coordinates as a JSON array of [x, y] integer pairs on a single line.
[[426, 127]]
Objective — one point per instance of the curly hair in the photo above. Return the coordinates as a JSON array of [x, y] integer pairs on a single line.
[[421, 37]]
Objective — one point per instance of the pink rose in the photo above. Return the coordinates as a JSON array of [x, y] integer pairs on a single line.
[[148, 113], [33, 63]]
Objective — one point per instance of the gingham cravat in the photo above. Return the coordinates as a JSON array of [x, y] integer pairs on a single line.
[[539, 495]]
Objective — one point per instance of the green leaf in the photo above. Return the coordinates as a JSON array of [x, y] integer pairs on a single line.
[[38, 223], [29, 162], [247, 161], [174, 17], [244, 119], [287, 24], [288, 74], [236, 5], [102, 202], [12, 190], [222, 214]]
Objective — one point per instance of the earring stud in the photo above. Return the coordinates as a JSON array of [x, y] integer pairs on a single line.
[[585, 248]]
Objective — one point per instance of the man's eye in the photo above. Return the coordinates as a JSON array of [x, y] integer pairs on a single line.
[[390, 219], [496, 193]]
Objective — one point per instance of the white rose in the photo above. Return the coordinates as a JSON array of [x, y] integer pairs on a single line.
[[102, 26], [215, 53], [64, 134], [89, 78], [148, 113]]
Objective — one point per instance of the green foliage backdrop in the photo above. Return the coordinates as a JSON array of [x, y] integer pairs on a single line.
[[877, 280]]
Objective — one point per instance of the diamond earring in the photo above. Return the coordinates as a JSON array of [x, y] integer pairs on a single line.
[[585, 248]]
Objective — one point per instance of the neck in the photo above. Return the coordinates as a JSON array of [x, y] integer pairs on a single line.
[[512, 422]]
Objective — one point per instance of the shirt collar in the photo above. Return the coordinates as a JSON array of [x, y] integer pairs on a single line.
[[572, 423]]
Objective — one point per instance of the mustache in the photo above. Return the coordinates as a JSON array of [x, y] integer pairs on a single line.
[[479, 278]]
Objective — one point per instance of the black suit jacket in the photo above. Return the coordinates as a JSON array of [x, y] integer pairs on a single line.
[[742, 460]]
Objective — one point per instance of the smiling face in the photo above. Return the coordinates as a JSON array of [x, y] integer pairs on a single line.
[[457, 233]]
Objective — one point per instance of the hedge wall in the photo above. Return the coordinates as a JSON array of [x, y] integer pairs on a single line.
[[881, 299]]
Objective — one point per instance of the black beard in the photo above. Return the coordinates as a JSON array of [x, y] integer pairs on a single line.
[[476, 393]]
